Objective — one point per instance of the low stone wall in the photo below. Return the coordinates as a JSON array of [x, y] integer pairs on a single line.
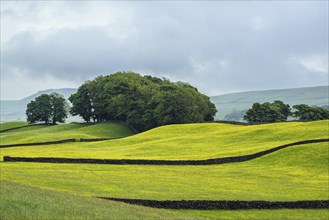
[[234, 159], [38, 143], [57, 142], [96, 139], [15, 128], [225, 205]]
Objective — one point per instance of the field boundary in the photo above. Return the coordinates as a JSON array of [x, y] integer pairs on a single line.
[[214, 161], [98, 139], [251, 123], [39, 143], [16, 128], [58, 142], [225, 204]]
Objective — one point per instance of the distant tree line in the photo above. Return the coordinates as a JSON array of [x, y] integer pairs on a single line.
[[235, 115], [145, 102], [278, 111], [142, 102]]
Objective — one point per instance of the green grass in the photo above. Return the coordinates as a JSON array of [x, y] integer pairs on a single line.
[[27, 128], [9, 125], [295, 173], [41, 133], [297, 214], [25, 202], [179, 142]]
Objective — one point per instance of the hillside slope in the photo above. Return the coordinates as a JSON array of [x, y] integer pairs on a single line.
[[15, 198], [291, 174], [43, 133], [17, 201], [296, 173], [181, 142], [237, 102], [12, 125]]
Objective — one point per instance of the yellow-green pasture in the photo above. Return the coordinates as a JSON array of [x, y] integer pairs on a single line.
[[41, 133], [291, 174], [295, 173], [10, 125], [25, 202], [179, 142]]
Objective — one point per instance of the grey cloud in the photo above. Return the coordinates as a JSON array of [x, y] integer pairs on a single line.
[[212, 45]]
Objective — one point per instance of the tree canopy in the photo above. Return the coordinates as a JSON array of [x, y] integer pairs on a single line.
[[307, 113], [143, 102], [268, 112], [46, 108]]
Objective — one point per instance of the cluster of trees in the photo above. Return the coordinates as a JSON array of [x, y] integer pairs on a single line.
[[46, 108], [279, 111], [308, 113], [268, 112], [143, 102]]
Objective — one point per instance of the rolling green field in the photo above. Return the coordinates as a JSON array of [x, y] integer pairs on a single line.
[[40, 133], [177, 142], [9, 125], [291, 174], [295, 173], [25, 202]]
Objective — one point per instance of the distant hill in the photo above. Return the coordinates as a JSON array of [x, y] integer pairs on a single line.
[[66, 92], [14, 110], [232, 106]]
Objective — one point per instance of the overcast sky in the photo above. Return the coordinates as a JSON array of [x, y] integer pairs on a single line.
[[217, 46]]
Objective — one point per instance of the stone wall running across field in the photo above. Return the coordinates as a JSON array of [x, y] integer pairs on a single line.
[[15, 128], [224, 204], [38, 143], [233, 159], [57, 142]]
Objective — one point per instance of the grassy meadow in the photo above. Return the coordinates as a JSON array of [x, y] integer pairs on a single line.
[[25, 202], [291, 174], [296, 173], [175, 142], [41, 133], [10, 125]]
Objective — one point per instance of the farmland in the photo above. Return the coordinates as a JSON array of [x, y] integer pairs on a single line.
[[291, 174], [40, 133], [176, 142]]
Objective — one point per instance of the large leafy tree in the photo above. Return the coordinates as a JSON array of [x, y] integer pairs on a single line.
[[143, 102], [82, 103], [268, 112], [307, 113], [46, 108]]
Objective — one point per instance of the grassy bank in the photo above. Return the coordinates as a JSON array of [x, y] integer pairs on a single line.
[[25, 202], [176, 142], [291, 174], [296, 173], [41, 133]]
